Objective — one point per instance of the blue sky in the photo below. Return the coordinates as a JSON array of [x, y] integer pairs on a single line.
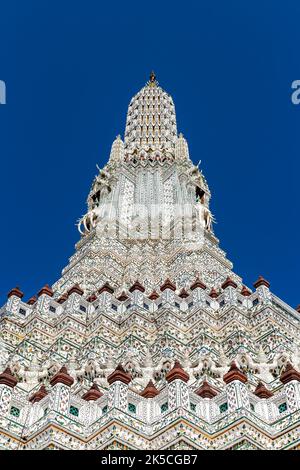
[[70, 69]]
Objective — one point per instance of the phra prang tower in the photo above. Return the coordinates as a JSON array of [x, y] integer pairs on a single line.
[[149, 340]]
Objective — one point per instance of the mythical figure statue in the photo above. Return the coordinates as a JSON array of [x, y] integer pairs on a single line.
[[295, 357], [220, 365], [188, 367], [93, 369], [146, 371], [104, 373], [261, 367], [32, 374], [164, 365], [207, 365], [205, 216], [73, 366], [131, 363]]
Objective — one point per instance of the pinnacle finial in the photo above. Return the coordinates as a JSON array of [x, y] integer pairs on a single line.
[[152, 77]]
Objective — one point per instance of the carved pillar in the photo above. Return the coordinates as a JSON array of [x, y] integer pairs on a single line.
[[92, 409], [246, 293], [44, 299], [230, 293], [264, 407], [137, 291], [149, 407], [178, 392], [60, 393], [14, 300], [105, 296], [74, 298], [36, 412], [118, 389], [168, 289], [206, 407], [291, 380], [237, 393], [262, 288], [198, 288]]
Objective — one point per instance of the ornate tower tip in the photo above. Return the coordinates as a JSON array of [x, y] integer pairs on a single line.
[[152, 77]]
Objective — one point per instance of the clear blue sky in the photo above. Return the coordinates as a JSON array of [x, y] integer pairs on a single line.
[[70, 69]]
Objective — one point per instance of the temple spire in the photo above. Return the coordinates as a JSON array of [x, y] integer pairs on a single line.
[[152, 78]]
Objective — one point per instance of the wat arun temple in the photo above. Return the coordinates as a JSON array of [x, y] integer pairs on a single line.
[[149, 339]]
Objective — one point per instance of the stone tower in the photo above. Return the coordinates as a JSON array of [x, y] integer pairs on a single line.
[[149, 340]]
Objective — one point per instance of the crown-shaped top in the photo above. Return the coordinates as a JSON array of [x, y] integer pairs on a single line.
[[62, 377], [262, 392], [150, 391], [234, 373], [120, 375], [151, 119], [7, 378], [39, 395], [92, 394], [289, 374], [177, 372], [206, 390]]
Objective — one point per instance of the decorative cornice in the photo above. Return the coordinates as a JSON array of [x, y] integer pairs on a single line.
[[76, 289], [177, 372], [92, 394], [16, 292], [198, 284], [245, 292], [137, 286], [261, 282], [150, 391], [46, 290], [234, 373], [213, 293], [7, 378], [183, 293], [62, 298], [91, 298], [62, 377], [32, 300], [123, 296], [168, 284], [120, 375], [106, 288], [39, 395], [229, 283], [261, 391], [154, 295], [289, 374], [206, 390]]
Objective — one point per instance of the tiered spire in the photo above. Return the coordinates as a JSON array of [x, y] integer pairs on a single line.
[[151, 120], [146, 301]]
